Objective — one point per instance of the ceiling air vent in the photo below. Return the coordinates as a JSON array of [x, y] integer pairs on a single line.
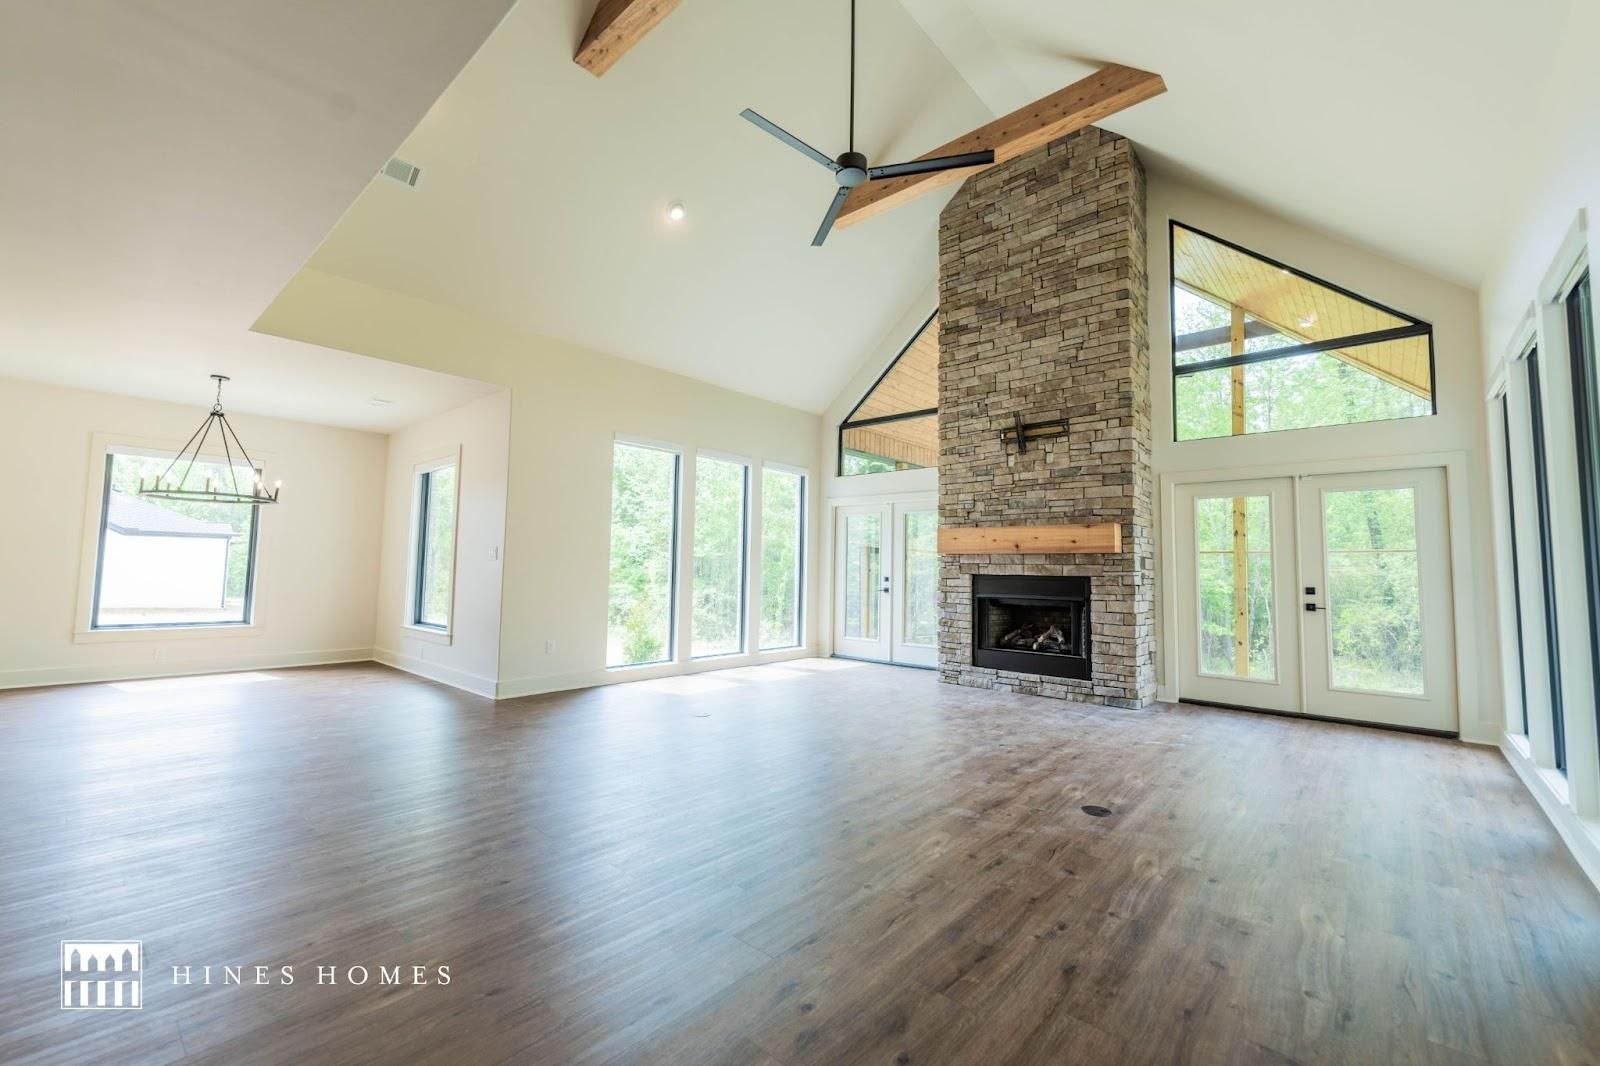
[[401, 171]]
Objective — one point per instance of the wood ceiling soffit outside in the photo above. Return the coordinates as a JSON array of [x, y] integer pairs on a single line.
[[1083, 103], [912, 384], [1300, 309], [616, 27]]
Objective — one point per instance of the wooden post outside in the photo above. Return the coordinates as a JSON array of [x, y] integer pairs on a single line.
[[1241, 530]]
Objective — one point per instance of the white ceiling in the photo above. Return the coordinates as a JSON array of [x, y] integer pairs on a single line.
[[1390, 123], [544, 190], [169, 165]]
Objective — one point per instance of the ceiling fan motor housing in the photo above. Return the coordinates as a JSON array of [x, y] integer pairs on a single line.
[[852, 170]]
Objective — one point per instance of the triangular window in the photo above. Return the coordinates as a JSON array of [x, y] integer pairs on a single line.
[[1260, 346], [896, 424]]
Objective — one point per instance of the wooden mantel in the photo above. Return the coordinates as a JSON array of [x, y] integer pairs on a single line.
[[1100, 538]]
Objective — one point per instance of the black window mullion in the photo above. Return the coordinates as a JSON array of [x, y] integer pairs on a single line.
[[422, 550]]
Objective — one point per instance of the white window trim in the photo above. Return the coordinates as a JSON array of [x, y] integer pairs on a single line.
[[83, 632], [409, 623]]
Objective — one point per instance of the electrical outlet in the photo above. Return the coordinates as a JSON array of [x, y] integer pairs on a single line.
[[549, 647]]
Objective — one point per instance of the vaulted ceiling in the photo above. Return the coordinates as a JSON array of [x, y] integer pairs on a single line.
[[173, 164], [544, 190]]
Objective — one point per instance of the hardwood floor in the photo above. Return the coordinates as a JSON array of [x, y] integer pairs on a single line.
[[819, 862]]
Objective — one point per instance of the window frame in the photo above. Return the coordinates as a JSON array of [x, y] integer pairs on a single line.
[[1419, 327], [846, 422], [674, 548], [1585, 382], [1516, 565], [1541, 489], [420, 475], [88, 627], [746, 546], [802, 541]]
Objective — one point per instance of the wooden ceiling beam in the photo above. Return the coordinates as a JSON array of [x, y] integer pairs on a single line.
[[616, 27], [1083, 103]]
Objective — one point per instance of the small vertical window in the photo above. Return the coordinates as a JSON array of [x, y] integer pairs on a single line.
[[721, 492], [1547, 566], [641, 627], [1516, 571], [1586, 419], [783, 508], [436, 547], [172, 563]]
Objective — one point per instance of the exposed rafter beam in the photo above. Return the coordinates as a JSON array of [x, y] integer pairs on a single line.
[[1083, 103], [616, 27], [1207, 338]]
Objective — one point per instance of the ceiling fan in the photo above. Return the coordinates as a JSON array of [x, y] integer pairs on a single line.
[[850, 169]]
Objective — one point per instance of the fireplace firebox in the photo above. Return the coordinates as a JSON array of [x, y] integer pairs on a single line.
[[1033, 625]]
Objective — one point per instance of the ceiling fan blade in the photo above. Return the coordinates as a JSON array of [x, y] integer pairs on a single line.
[[928, 166], [827, 220], [788, 138]]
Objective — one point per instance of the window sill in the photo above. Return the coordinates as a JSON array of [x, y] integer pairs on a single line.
[[148, 633], [427, 633]]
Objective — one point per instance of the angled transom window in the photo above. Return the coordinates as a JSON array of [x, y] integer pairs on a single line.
[[1259, 346], [896, 424]]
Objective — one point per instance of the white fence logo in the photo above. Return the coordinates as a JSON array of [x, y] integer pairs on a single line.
[[101, 974]]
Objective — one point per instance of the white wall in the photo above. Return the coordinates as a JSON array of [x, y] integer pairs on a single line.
[[316, 576], [1458, 428], [1542, 237], [568, 405], [469, 656]]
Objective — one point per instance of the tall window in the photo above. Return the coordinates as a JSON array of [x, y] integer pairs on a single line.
[[1258, 346], [1541, 488], [1586, 412], [172, 562], [644, 569], [896, 424], [783, 542], [720, 519], [1516, 572], [435, 546]]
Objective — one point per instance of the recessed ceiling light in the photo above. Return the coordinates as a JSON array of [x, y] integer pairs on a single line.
[[676, 211]]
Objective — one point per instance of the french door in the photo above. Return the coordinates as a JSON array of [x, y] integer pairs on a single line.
[[1325, 595], [886, 582]]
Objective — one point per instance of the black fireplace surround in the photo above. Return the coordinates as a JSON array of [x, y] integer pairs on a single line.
[[1033, 625]]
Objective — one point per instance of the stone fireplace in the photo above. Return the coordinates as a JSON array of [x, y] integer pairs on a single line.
[[1042, 313]]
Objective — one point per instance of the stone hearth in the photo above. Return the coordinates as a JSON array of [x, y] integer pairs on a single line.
[[1042, 310]]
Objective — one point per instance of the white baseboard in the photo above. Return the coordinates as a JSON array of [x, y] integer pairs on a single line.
[[539, 686], [81, 675], [473, 683], [1582, 837]]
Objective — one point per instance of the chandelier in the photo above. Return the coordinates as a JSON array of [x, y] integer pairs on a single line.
[[163, 488]]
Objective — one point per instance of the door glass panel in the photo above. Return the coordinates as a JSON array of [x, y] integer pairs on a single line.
[[1374, 599], [863, 573], [1233, 565], [922, 578]]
